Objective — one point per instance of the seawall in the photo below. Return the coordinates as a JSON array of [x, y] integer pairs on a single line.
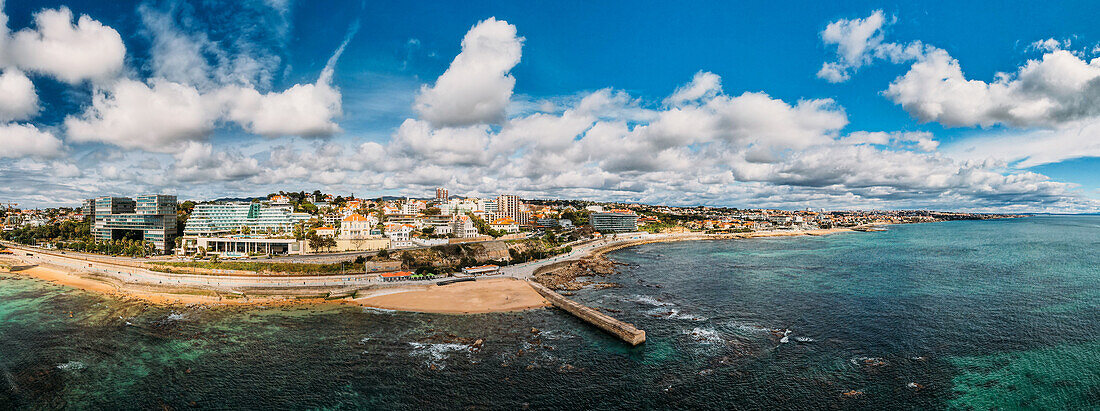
[[625, 331]]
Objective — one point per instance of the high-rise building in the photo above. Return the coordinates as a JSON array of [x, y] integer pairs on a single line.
[[151, 218], [441, 194], [507, 206]]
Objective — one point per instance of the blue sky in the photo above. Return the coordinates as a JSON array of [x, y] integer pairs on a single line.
[[565, 99]]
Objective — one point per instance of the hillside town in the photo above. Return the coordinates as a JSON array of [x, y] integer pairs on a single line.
[[300, 223]]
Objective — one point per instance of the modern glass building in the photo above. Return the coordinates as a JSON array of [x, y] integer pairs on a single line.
[[216, 219], [615, 221], [150, 218]]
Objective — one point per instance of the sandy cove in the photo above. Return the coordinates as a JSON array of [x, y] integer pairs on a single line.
[[486, 295]]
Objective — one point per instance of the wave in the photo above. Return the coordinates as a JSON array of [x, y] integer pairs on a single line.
[[674, 314], [71, 366], [648, 300], [868, 361], [704, 335], [175, 317], [437, 352], [374, 310]]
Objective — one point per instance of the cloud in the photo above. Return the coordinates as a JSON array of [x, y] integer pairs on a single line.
[[1030, 148], [23, 140], [717, 149], [1055, 90], [198, 162], [704, 84], [18, 100], [72, 53], [859, 42], [156, 117], [922, 140], [306, 110], [477, 87], [163, 115], [444, 146]]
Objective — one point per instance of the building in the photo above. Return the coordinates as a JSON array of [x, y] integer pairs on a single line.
[[396, 276], [150, 218], [224, 218], [400, 235], [88, 209], [507, 206], [561, 223], [413, 207], [619, 221], [505, 224], [357, 226], [463, 227], [279, 200], [239, 246], [323, 232], [441, 194]]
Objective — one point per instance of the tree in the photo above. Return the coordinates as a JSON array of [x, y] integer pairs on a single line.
[[432, 211], [329, 243], [316, 242]]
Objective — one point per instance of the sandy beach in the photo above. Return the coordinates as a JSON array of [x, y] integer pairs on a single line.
[[482, 296]]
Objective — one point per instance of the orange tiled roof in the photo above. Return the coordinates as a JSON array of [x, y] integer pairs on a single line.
[[397, 274]]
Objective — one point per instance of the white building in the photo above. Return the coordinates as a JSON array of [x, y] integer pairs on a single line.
[[400, 235], [413, 207]]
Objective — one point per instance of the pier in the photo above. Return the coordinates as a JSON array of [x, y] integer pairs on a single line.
[[625, 331]]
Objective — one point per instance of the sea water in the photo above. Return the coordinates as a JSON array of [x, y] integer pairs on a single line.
[[971, 314]]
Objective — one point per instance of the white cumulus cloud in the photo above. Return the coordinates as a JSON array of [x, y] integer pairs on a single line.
[[157, 117], [477, 87], [18, 100], [23, 140], [86, 50]]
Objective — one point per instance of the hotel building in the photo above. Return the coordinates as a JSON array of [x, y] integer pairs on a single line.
[[217, 219], [619, 221]]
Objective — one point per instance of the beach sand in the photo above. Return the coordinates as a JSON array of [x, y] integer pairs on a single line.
[[481, 296]]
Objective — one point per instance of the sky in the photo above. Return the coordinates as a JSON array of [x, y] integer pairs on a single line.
[[860, 105]]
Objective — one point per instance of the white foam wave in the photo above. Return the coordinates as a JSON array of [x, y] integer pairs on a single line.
[[175, 317], [674, 314], [437, 352], [71, 366], [704, 335], [648, 300]]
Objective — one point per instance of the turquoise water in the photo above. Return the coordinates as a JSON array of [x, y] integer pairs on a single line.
[[998, 314]]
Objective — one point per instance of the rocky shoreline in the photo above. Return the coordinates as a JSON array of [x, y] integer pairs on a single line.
[[576, 274]]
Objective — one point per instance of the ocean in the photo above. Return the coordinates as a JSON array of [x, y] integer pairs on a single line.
[[1000, 314]]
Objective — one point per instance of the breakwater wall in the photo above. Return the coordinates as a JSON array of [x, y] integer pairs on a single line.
[[625, 331]]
